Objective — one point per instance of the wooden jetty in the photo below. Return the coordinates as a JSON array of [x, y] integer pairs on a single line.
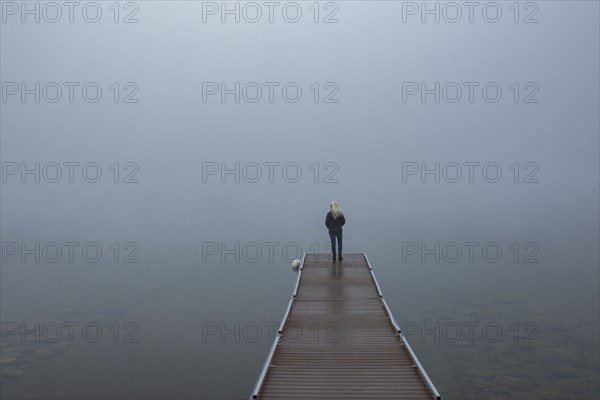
[[339, 340]]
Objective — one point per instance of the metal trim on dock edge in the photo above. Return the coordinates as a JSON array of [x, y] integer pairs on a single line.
[[267, 363], [397, 327]]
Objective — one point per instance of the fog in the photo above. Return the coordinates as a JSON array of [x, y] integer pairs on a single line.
[[203, 201]]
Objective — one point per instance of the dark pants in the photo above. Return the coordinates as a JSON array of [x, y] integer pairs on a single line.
[[332, 236]]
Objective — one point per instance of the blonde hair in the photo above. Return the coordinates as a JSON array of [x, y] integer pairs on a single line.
[[336, 211]]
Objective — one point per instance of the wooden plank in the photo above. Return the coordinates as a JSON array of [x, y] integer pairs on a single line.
[[338, 340]]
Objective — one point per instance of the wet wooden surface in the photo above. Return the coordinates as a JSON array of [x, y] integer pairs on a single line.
[[338, 341]]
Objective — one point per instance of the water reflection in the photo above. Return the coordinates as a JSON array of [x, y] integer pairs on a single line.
[[170, 306]]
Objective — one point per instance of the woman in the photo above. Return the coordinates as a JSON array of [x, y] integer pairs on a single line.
[[334, 222]]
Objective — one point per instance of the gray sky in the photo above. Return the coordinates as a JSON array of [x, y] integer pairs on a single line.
[[369, 133], [360, 143]]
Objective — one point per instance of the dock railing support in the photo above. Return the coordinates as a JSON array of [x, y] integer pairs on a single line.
[[422, 371], [267, 363]]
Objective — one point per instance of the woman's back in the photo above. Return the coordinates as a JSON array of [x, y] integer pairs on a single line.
[[334, 221], [334, 224]]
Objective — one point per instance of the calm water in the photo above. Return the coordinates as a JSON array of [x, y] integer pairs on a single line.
[[175, 348]]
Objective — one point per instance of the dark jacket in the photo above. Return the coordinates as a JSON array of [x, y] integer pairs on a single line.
[[334, 225]]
